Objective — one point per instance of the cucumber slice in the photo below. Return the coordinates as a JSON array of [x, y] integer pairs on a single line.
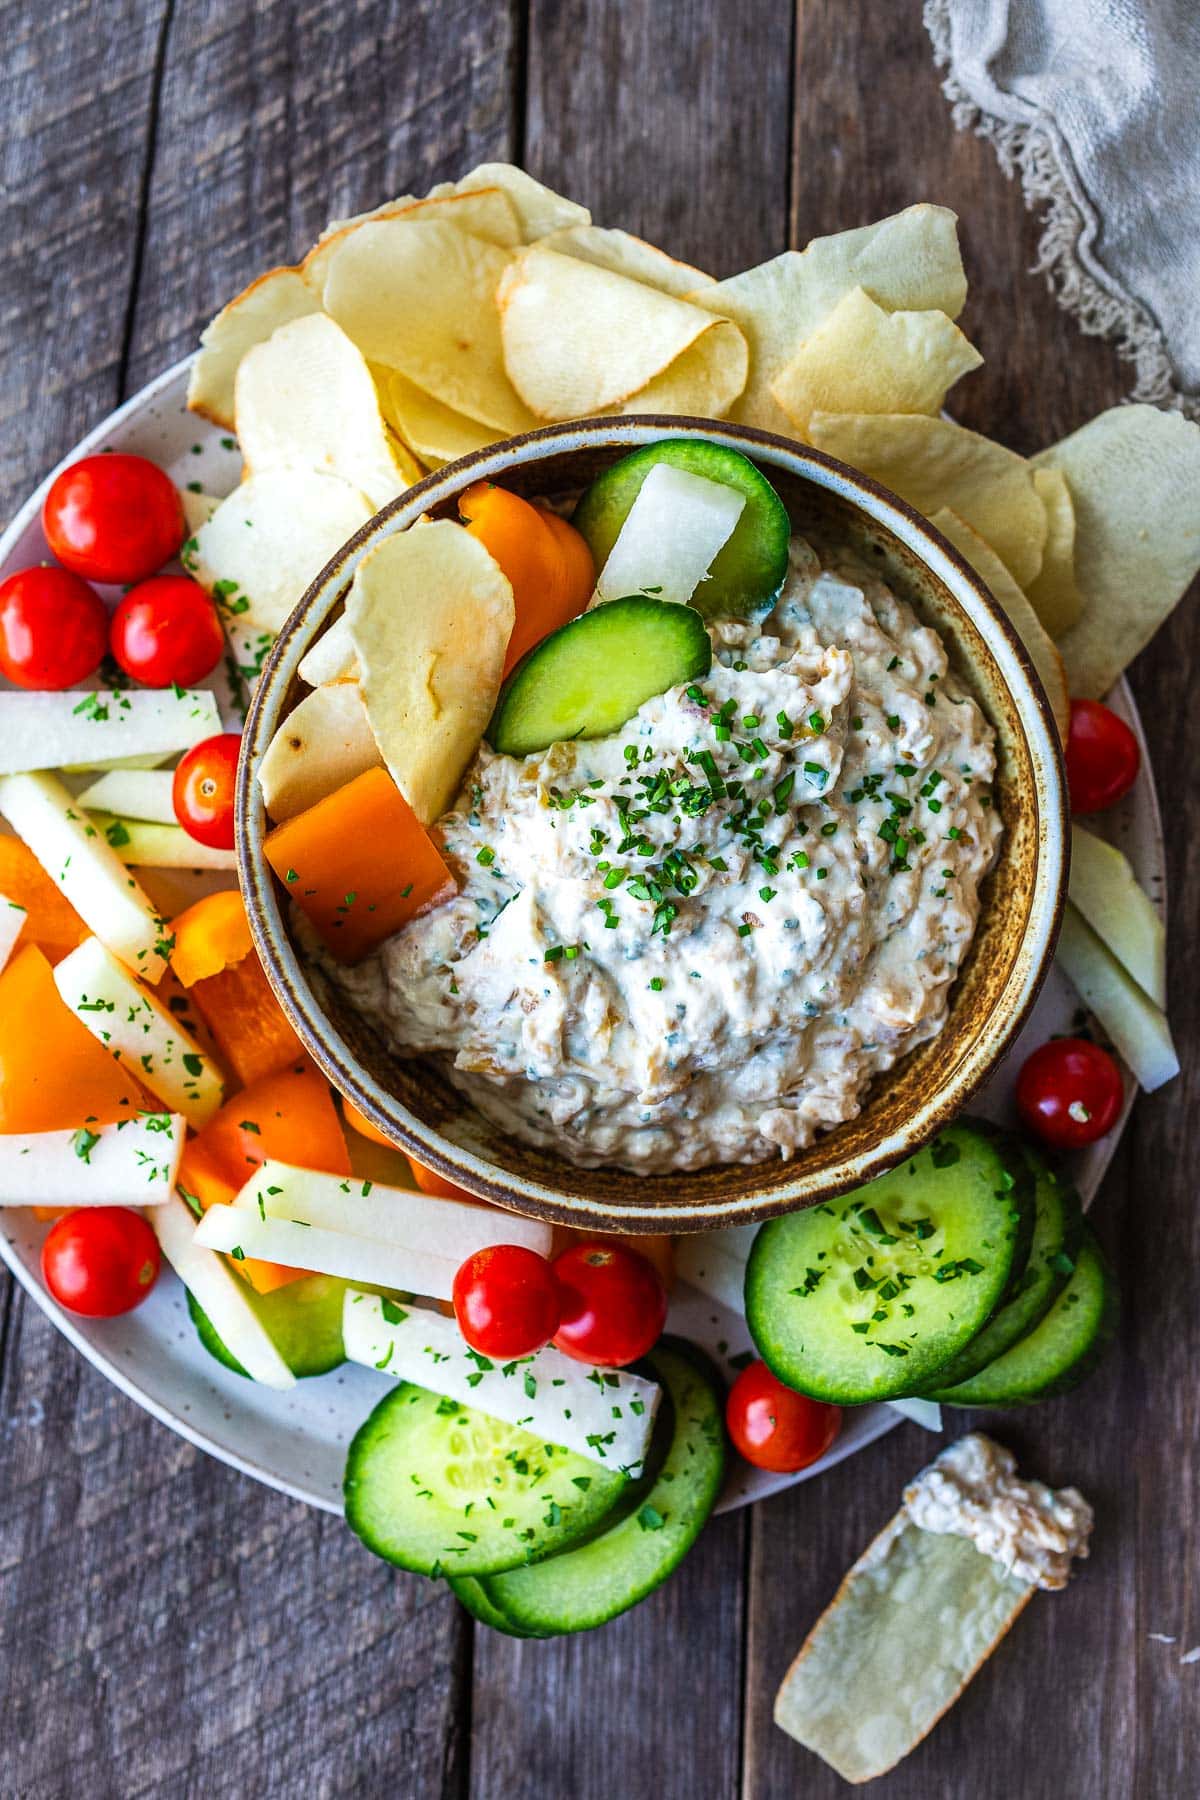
[[1057, 1233], [441, 1488], [592, 674], [749, 569], [866, 1297], [303, 1319], [1060, 1351], [473, 1595], [595, 1582]]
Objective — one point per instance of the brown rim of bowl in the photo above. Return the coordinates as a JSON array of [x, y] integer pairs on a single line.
[[521, 1193]]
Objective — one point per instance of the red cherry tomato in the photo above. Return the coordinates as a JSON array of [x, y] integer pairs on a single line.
[[203, 790], [1069, 1093], [1102, 757], [53, 628], [773, 1426], [113, 518], [506, 1301], [165, 631], [100, 1260], [614, 1304]]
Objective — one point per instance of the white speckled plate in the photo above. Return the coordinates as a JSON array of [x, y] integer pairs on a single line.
[[297, 1441]]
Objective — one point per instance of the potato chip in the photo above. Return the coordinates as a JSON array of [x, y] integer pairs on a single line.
[[419, 297], [271, 538], [932, 463], [703, 383], [1134, 476], [1054, 590], [907, 262], [487, 214], [332, 657], [580, 339], [275, 299], [862, 358], [1017, 609], [306, 400], [430, 616], [321, 745], [539, 209], [913, 1620], [435, 432], [627, 255]]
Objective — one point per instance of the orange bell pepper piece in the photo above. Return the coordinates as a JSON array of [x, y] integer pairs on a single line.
[[359, 1122], [214, 957], [52, 922], [286, 1117], [359, 863], [209, 936], [54, 1074], [547, 562], [430, 1182]]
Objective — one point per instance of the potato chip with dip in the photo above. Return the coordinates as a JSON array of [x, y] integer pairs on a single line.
[[932, 463], [862, 358], [430, 614], [306, 400], [1134, 476], [580, 339], [909, 261]]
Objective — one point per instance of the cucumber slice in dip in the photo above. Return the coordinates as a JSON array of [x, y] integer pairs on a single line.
[[592, 674], [748, 570], [867, 1297]]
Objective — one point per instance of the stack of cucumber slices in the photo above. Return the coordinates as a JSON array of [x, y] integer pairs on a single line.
[[966, 1275], [534, 1539]]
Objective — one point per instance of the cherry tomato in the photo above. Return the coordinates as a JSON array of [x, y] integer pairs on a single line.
[[100, 1260], [1102, 757], [1069, 1093], [506, 1301], [53, 628], [113, 518], [203, 790], [773, 1426], [166, 630], [614, 1304]]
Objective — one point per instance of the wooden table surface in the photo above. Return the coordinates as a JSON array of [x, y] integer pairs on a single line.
[[167, 1627]]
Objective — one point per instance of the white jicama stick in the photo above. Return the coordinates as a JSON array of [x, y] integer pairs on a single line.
[[241, 1231], [87, 869], [605, 1414], [450, 1229], [57, 731], [670, 536], [1106, 891], [133, 794], [141, 844], [131, 1163], [221, 1293], [12, 921], [705, 1261], [139, 1032], [1133, 1022]]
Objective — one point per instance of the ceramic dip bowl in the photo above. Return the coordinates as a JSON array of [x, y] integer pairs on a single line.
[[412, 1101]]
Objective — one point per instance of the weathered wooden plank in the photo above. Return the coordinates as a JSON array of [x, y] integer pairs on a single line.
[[275, 119], [169, 1627], [668, 120], [1065, 1705], [73, 140]]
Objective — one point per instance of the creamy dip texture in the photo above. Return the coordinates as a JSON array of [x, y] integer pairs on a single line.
[[971, 1490], [697, 940]]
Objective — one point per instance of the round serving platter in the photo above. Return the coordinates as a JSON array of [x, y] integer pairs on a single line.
[[296, 1442]]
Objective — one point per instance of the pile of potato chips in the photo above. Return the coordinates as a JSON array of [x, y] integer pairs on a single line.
[[431, 327]]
